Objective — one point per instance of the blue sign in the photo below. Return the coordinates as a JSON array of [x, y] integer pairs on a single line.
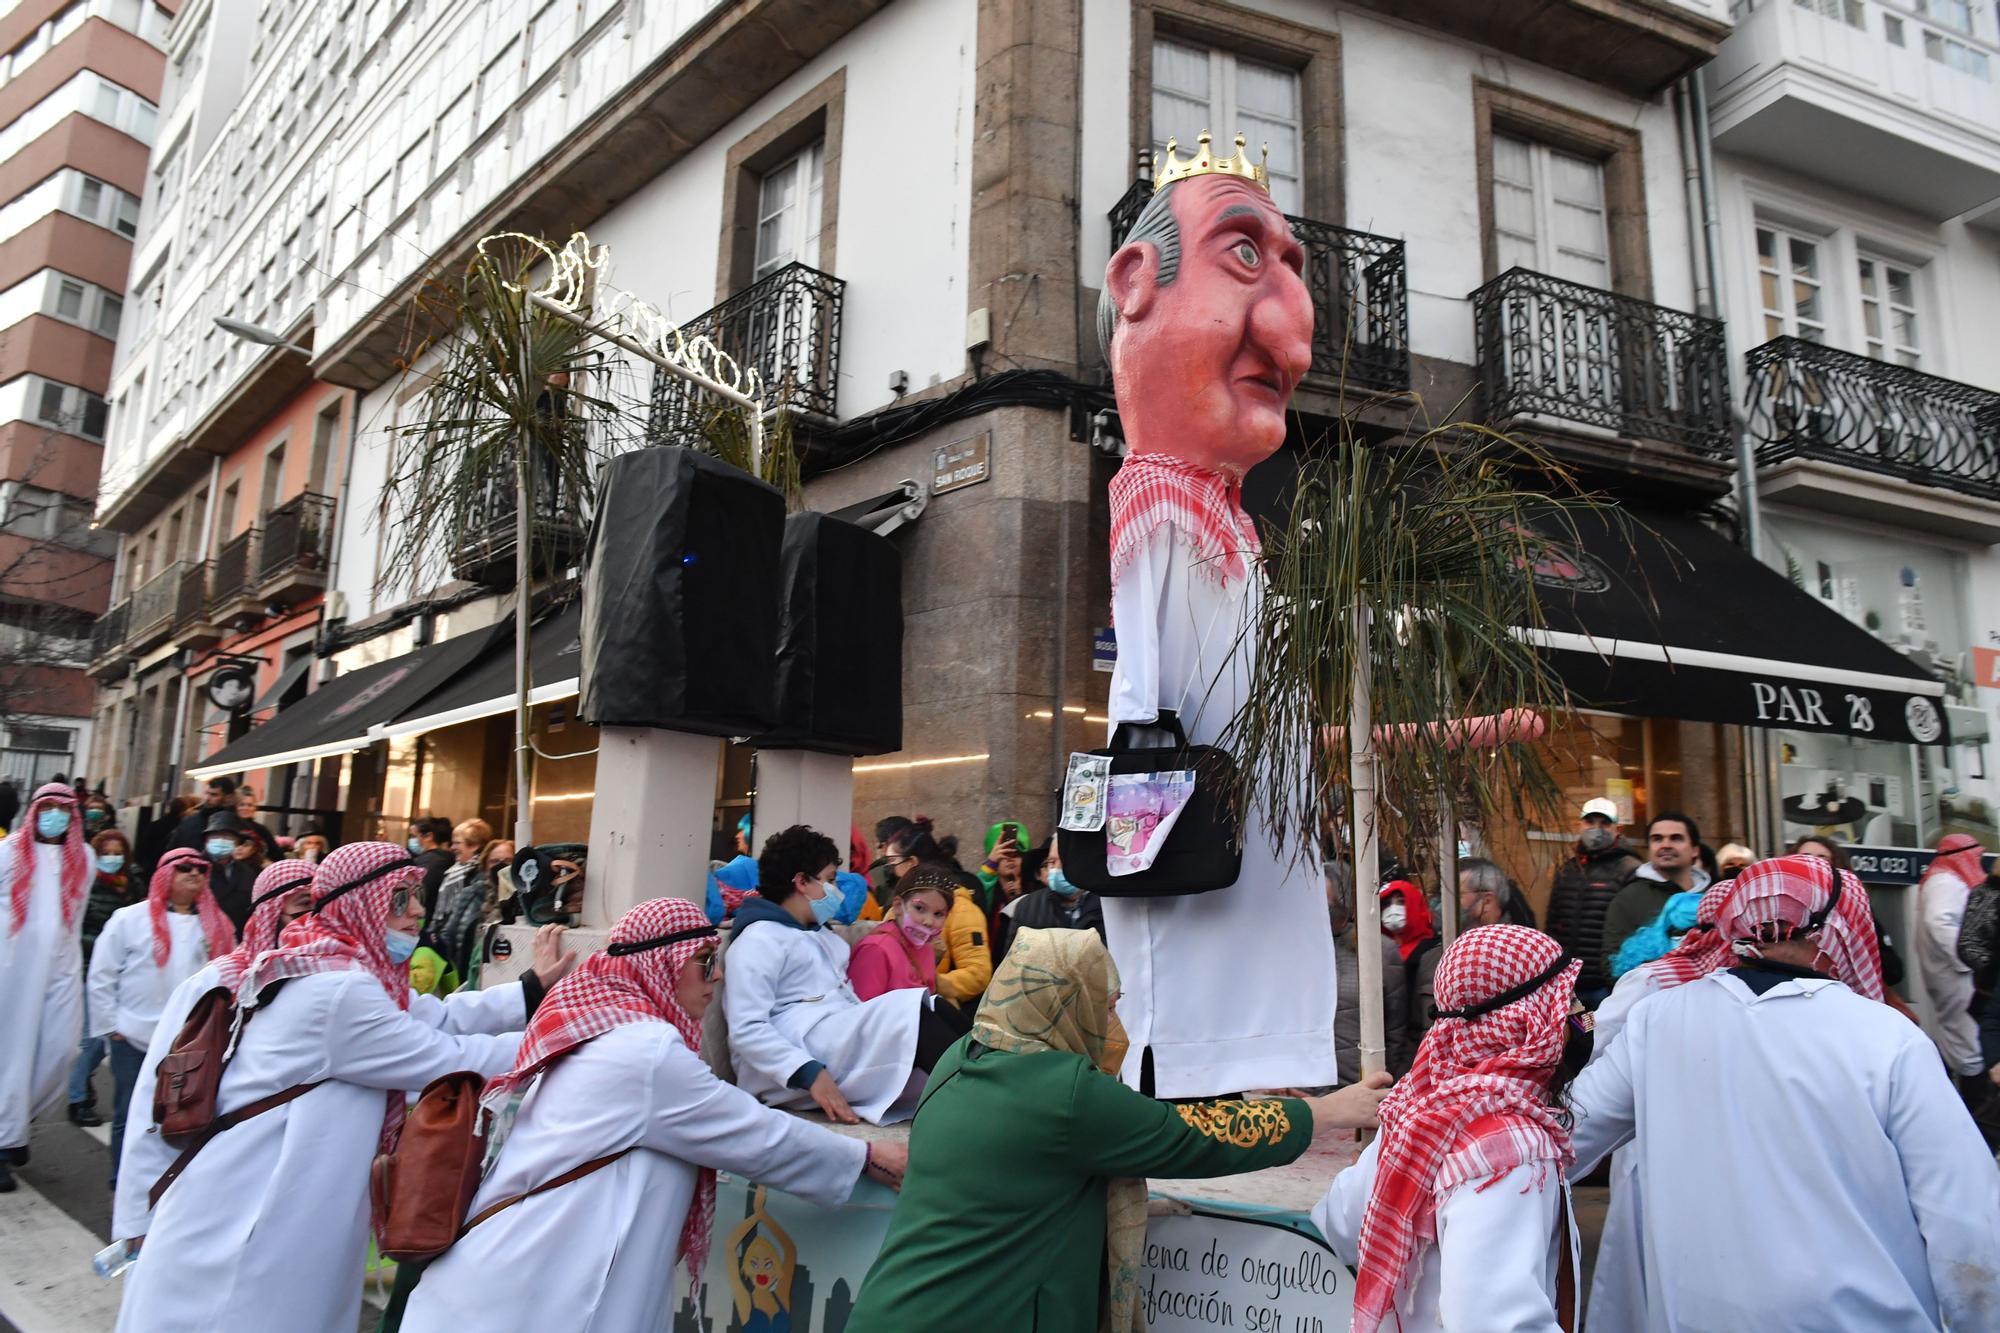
[[1892, 865], [1103, 649]]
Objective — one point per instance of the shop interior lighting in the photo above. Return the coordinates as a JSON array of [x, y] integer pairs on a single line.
[[922, 763]]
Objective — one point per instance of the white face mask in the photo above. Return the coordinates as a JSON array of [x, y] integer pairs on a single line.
[[1394, 918]]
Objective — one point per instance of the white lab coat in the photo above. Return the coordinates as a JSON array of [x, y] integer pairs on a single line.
[[788, 1002], [1495, 1264], [268, 1226], [1232, 989], [1804, 1165], [41, 996], [1941, 901], [602, 1249], [127, 988], [147, 1156]]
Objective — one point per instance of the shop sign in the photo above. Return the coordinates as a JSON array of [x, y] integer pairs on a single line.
[[1892, 865], [966, 463], [1872, 714], [1204, 1271], [231, 688], [1103, 649]]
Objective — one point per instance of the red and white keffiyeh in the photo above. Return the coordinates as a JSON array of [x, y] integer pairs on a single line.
[[1700, 951], [1474, 1105], [275, 883], [345, 930], [609, 990], [1961, 854], [1204, 507], [75, 857], [215, 925], [1775, 897]]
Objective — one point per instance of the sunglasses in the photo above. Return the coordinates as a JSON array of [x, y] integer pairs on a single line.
[[709, 959], [191, 869]]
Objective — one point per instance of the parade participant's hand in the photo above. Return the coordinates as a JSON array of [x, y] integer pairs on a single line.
[[1353, 1107], [887, 1164], [827, 1096], [1994, 1074], [552, 961]]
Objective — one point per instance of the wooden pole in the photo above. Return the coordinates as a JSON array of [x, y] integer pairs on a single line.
[[1361, 779], [1447, 864]]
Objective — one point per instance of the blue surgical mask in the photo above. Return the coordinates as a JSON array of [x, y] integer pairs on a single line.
[[415, 845], [827, 906], [52, 823], [401, 944], [219, 849], [1059, 884], [111, 862]]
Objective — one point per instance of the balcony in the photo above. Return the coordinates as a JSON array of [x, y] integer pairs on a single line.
[[1873, 97], [1849, 434], [1361, 304], [556, 534], [1592, 364], [152, 608], [292, 560], [232, 586], [786, 327], [192, 626], [107, 640]]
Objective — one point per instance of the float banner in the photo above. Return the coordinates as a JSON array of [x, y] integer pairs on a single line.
[[1208, 1271]]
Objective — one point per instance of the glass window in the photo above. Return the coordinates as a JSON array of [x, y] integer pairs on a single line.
[[50, 409], [1196, 89], [1548, 212], [104, 103], [1840, 11], [69, 299], [127, 220], [789, 201], [109, 311], [1790, 285], [95, 411], [1952, 13], [90, 199], [1889, 311]]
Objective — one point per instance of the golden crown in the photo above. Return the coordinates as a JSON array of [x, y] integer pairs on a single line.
[[1171, 168]]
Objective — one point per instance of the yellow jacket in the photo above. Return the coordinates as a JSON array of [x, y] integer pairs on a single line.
[[966, 964]]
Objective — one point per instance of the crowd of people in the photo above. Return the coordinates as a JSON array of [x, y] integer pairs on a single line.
[[1658, 1019]]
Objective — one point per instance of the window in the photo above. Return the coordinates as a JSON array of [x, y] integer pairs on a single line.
[[1889, 311], [1791, 284], [63, 407], [90, 198], [1955, 14], [1957, 55], [69, 298], [125, 219], [326, 435], [789, 200], [1195, 88], [50, 410], [273, 490], [1840, 11], [1548, 212], [1892, 28], [110, 309]]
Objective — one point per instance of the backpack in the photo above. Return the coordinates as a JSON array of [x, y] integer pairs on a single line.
[[190, 1073], [1979, 935]]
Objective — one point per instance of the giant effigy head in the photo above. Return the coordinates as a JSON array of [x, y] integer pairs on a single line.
[[1204, 317]]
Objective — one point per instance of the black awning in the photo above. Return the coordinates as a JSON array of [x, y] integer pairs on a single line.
[[1670, 619], [335, 718], [485, 685]]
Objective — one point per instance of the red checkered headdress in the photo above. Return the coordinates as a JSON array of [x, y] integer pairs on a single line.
[[75, 857], [632, 981], [1204, 507], [1474, 1105], [215, 925], [1788, 896], [275, 883]]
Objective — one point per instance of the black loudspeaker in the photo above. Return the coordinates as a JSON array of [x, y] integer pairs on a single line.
[[680, 596], [840, 640]]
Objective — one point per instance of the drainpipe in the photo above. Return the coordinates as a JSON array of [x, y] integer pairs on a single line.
[[181, 659], [340, 503]]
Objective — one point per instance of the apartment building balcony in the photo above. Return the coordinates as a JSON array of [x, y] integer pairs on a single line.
[[107, 641], [1360, 296], [786, 327], [232, 584], [556, 531], [1844, 433], [154, 606], [193, 626], [1605, 379], [1874, 97], [293, 558]]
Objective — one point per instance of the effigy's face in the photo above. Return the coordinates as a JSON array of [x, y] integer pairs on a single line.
[[1204, 365]]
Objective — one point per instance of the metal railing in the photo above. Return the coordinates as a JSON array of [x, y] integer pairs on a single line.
[[1555, 348], [298, 534], [1809, 401], [1360, 296], [152, 603], [232, 575], [107, 632], [786, 327], [191, 602], [556, 532]]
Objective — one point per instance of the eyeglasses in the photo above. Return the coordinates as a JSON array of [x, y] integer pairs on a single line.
[[709, 960], [191, 869]]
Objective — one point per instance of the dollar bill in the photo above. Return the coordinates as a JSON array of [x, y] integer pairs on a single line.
[[1084, 792]]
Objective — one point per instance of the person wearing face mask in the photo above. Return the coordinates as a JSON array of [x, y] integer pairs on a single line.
[[966, 964], [1582, 890], [1406, 919], [144, 952], [98, 816], [236, 852], [45, 871], [1456, 1216], [798, 1034], [1396, 1041], [430, 843], [111, 887], [901, 953], [1050, 903]]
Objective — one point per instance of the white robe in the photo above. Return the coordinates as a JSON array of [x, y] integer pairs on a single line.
[[268, 1226], [1804, 1164], [1941, 901], [147, 1156], [612, 1238], [788, 1002], [41, 996], [1233, 989], [127, 988], [1618, 1278], [1494, 1267]]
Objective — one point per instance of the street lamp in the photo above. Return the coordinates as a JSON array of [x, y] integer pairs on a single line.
[[252, 333]]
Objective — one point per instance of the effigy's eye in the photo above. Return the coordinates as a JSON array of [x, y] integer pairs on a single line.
[[1247, 252]]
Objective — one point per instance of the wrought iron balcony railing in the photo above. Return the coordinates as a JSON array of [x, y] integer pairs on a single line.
[[1360, 295], [191, 602], [153, 603], [1809, 401], [556, 533], [786, 327], [107, 632], [233, 575], [1554, 348], [298, 535]]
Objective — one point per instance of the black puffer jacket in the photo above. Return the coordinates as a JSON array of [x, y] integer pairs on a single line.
[[1979, 935], [1582, 889]]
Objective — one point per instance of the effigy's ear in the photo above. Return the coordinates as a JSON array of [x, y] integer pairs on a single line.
[[1132, 278]]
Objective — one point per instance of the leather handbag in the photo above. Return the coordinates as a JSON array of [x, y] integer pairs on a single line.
[[419, 1193], [1203, 850], [189, 1075]]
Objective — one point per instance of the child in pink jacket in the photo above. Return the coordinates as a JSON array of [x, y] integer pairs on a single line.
[[901, 953]]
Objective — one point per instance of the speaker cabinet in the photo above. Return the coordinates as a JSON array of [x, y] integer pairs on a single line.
[[840, 640], [680, 596]]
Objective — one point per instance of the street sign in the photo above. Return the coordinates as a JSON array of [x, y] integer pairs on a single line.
[[966, 463], [231, 688], [1103, 649]]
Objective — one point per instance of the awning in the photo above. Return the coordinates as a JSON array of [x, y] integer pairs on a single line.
[[336, 717], [1670, 619], [283, 684], [485, 687]]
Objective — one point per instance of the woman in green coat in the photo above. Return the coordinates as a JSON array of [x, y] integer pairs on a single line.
[[1047, 1230]]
